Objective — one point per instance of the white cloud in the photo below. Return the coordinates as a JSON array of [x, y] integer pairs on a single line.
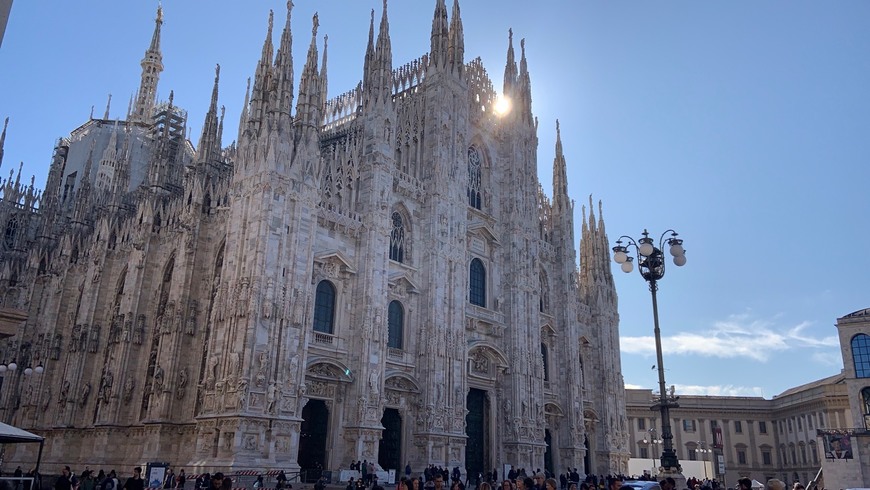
[[719, 390], [709, 390], [739, 336]]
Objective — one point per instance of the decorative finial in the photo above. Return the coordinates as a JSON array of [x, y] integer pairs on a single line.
[[217, 72], [271, 19], [510, 34], [558, 131], [160, 12], [523, 47], [108, 106], [316, 23]]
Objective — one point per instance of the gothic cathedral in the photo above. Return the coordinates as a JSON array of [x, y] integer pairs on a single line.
[[374, 276]]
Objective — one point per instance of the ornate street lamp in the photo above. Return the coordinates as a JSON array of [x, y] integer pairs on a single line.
[[653, 440], [704, 451], [651, 265]]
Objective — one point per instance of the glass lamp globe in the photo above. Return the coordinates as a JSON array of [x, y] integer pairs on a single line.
[[39, 369], [28, 371], [627, 266], [646, 249], [677, 249], [680, 260], [3, 368], [12, 366], [620, 257]]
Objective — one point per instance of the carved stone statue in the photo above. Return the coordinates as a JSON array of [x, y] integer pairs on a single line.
[[86, 392], [105, 387], [129, 384], [158, 378], [270, 398], [139, 331]]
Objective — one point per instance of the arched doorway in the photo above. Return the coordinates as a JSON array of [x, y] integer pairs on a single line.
[[477, 430], [312, 437], [548, 454], [390, 447], [587, 459]]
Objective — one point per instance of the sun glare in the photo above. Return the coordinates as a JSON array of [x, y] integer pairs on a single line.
[[502, 105]]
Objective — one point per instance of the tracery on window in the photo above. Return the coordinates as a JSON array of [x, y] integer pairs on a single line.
[[477, 283], [324, 308], [396, 325], [474, 178], [397, 238], [11, 233]]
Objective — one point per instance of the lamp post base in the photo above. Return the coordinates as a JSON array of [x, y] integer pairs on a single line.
[[676, 473]]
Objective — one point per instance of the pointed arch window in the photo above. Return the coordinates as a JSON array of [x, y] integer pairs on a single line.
[[861, 355], [545, 355], [11, 233], [396, 325], [477, 283], [397, 238], [544, 298], [474, 177], [324, 308]]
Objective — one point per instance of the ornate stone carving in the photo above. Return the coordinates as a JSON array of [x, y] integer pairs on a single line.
[[139, 331], [190, 323], [129, 385], [85, 394], [263, 370], [105, 389], [94, 339], [181, 384]]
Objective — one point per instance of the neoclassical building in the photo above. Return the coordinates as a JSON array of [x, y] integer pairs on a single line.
[[377, 275], [789, 436]]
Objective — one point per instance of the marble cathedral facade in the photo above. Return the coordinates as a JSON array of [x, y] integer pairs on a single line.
[[373, 276]]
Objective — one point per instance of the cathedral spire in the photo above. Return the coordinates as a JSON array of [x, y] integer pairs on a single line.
[[3, 139], [108, 106], [323, 80], [379, 71], [596, 280], [456, 46], [510, 69], [262, 77], [245, 112], [525, 85], [284, 67], [155, 37], [369, 62], [439, 38], [209, 143], [152, 66], [309, 104], [109, 162], [561, 201]]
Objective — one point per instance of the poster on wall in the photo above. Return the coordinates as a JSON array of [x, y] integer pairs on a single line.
[[837, 446]]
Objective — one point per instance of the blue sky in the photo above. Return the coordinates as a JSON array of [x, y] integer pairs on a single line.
[[743, 125]]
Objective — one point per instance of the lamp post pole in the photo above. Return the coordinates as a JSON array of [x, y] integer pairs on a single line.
[[653, 440], [651, 266], [704, 451]]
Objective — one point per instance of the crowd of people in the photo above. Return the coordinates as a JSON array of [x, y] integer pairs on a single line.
[[431, 478]]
